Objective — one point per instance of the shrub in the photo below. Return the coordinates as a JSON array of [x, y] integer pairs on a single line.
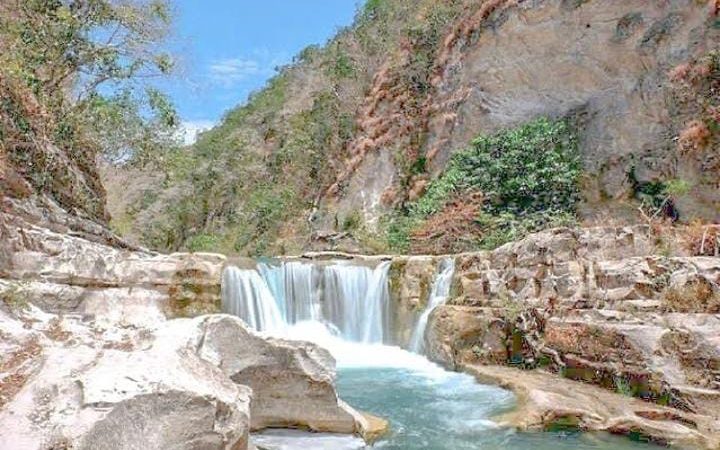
[[527, 178], [203, 243], [694, 136]]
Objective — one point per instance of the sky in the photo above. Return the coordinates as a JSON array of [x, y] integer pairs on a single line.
[[229, 48]]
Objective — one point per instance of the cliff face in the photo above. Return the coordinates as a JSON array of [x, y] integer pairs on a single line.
[[352, 132], [509, 62], [36, 171]]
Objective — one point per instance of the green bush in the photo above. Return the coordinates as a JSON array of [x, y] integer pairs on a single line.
[[528, 169], [528, 177], [203, 243]]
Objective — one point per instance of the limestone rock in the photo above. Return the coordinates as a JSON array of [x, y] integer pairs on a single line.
[[546, 400], [293, 383], [92, 389], [65, 273]]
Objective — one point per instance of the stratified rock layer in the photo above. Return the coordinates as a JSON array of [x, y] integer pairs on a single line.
[[595, 305]]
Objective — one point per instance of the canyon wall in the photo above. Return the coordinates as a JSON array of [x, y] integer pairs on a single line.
[[347, 137]]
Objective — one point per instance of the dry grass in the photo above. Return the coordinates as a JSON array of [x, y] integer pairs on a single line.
[[12, 366], [694, 136], [452, 230], [699, 296], [702, 239]]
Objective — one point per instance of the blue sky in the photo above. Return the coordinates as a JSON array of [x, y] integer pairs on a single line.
[[229, 48]]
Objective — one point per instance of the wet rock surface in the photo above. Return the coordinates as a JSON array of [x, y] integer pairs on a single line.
[[546, 402]]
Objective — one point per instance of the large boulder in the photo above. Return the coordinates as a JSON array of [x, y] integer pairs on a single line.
[[86, 388], [181, 384], [293, 383]]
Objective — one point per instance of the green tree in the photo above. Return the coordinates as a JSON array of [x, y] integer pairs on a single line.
[[88, 64]]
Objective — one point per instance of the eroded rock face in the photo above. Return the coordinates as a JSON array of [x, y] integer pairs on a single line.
[[68, 273], [410, 284], [88, 387], [596, 305]]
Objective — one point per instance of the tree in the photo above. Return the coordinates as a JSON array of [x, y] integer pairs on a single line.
[[88, 65]]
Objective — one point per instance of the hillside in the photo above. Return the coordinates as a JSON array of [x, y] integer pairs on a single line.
[[447, 126]]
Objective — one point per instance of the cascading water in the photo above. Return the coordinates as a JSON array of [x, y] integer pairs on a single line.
[[438, 295], [352, 299], [246, 295], [344, 308], [356, 301]]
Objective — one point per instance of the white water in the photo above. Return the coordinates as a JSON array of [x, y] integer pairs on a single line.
[[438, 296], [246, 295], [343, 308], [352, 299]]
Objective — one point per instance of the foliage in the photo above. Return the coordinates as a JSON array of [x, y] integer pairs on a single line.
[[527, 176], [425, 37], [203, 243], [694, 99], [88, 64]]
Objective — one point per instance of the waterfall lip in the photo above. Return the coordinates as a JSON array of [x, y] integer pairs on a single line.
[[279, 293]]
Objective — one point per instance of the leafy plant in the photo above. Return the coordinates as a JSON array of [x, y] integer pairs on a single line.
[[527, 176]]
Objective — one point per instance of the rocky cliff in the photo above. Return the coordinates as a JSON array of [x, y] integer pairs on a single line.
[[348, 137]]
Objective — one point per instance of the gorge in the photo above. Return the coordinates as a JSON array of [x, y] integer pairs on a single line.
[[456, 225]]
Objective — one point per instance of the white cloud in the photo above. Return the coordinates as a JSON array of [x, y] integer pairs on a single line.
[[233, 70], [190, 130], [261, 63]]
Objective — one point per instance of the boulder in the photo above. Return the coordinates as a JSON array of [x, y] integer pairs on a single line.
[[293, 383], [121, 389]]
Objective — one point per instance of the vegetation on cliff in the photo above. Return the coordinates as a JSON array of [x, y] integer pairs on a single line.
[[501, 188], [248, 185], [279, 174], [273, 176], [74, 82]]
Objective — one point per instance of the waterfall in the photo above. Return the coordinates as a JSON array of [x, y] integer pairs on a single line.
[[245, 294], [438, 295], [351, 299], [355, 301]]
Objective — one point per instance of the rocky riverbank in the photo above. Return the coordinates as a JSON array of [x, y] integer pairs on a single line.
[[92, 357], [607, 313]]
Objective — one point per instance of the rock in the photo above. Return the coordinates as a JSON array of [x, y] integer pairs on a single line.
[[293, 383], [597, 305], [145, 389], [65, 273], [373, 427], [180, 384], [410, 281], [546, 401], [458, 334]]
